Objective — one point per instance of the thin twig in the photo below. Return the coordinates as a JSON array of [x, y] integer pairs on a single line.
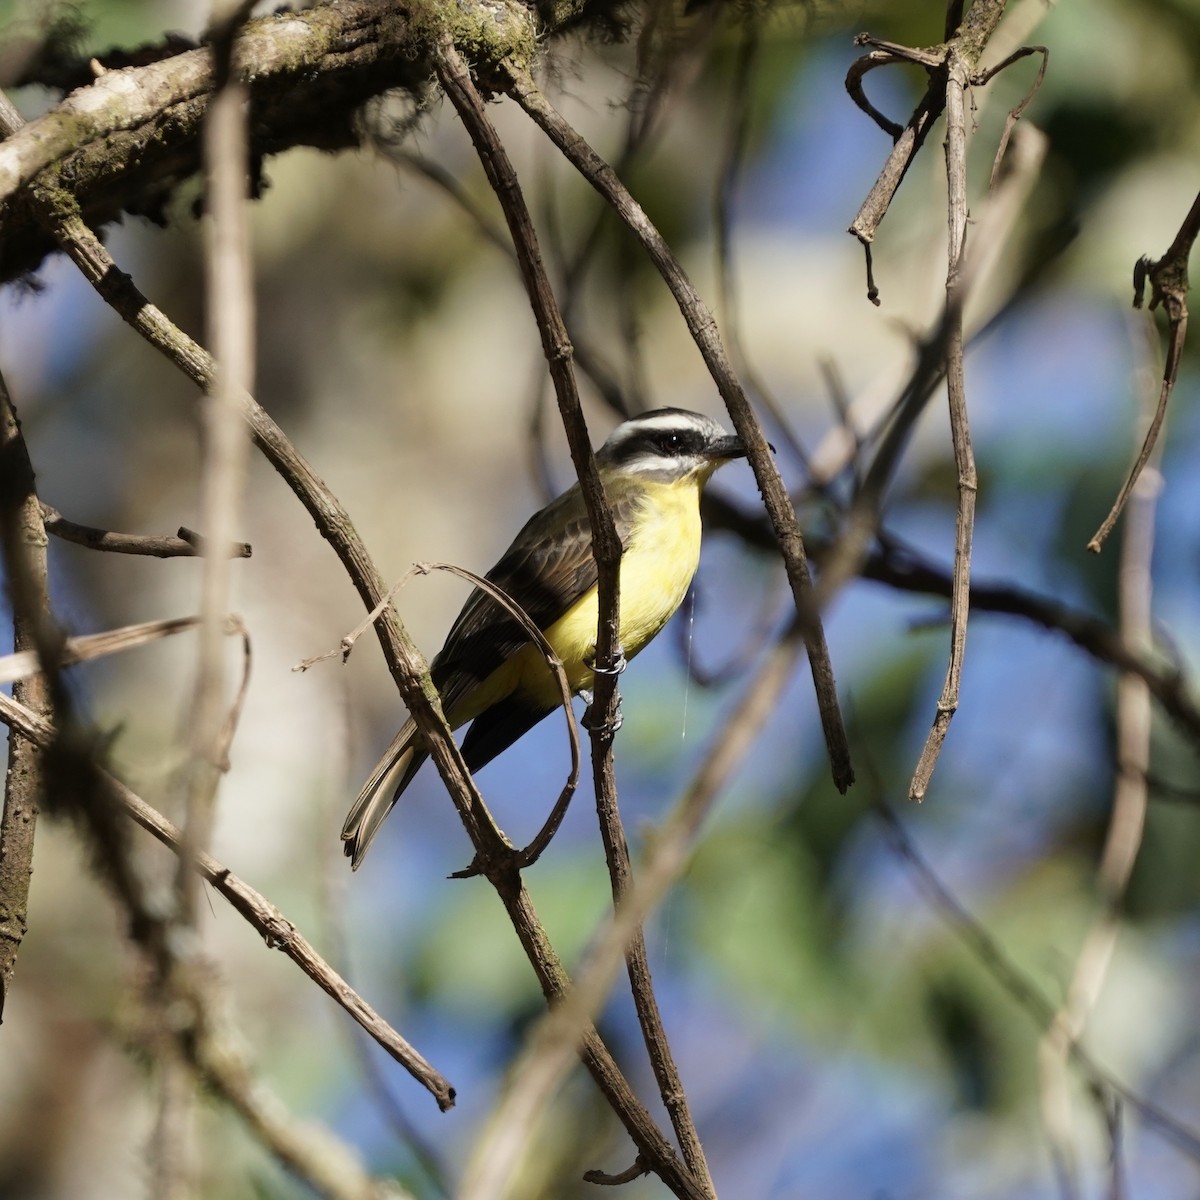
[[521, 86], [533, 851], [1169, 287], [24, 664], [276, 930], [1124, 837], [960, 435], [23, 538], [1015, 113], [185, 544]]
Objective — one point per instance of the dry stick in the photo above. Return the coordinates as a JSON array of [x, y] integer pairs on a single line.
[[1169, 287], [530, 854], [20, 526], [1024, 992], [741, 91], [24, 664], [1124, 836], [223, 453], [276, 930], [964, 458], [606, 547], [533, 851], [967, 42], [224, 445], [521, 86], [992, 219], [550, 1047], [185, 544], [404, 660]]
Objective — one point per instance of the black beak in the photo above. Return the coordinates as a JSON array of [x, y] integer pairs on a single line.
[[727, 447]]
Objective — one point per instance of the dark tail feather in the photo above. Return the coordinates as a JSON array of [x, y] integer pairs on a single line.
[[392, 774], [496, 729]]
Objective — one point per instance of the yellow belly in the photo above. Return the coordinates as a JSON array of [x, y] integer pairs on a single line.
[[656, 571]]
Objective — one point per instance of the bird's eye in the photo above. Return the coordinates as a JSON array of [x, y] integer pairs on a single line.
[[670, 442]]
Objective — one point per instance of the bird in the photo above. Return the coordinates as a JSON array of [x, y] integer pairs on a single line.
[[489, 673]]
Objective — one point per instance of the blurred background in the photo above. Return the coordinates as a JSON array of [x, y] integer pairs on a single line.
[[836, 1036]]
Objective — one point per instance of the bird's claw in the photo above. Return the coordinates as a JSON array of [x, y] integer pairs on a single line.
[[593, 723], [619, 664]]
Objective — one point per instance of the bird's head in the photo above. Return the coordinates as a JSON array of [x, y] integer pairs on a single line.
[[669, 444]]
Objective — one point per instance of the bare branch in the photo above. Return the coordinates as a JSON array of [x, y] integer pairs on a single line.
[[185, 544], [964, 457], [276, 930], [702, 325], [1169, 287], [23, 546]]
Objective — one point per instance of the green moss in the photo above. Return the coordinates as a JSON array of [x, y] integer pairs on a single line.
[[486, 35]]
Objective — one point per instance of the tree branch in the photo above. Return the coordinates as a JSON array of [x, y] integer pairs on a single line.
[[703, 327], [606, 547], [125, 142], [22, 536], [185, 544]]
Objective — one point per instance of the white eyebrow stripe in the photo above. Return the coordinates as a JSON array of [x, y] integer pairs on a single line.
[[681, 422]]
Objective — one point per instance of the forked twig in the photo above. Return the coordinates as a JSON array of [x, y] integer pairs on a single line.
[[530, 854], [966, 44]]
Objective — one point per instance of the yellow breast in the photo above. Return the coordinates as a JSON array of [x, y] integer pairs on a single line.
[[657, 567], [656, 572]]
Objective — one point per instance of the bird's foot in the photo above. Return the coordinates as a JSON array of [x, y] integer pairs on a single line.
[[594, 723], [618, 666]]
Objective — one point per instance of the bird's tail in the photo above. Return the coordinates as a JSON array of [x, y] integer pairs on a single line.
[[392, 774]]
